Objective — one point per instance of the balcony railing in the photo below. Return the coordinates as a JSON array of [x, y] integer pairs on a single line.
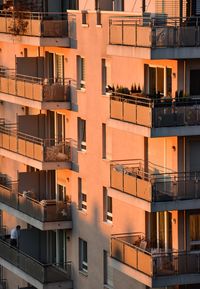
[[44, 273], [43, 211], [134, 251], [44, 150], [159, 32], [155, 113], [153, 184], [47, 24], [34, 88]]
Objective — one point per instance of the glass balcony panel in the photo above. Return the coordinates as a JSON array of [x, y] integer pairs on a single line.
[[46, 150], [150, 261], [44, 273], [154, 113], [154, 32], [130, 177], [44, 211]]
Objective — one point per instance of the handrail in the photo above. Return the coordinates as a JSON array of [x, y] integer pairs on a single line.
[[139, 170], [152, 102], [33, 15], [11, 74]]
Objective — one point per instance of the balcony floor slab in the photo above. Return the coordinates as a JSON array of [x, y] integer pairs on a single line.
[[154, 53], [34, 163], [154, 132], [56, 285], [43, 226], [155, 282], [36, 40], [33, 103], [154, 206]]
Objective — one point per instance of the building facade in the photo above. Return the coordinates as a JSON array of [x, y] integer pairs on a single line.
[[99, 144]]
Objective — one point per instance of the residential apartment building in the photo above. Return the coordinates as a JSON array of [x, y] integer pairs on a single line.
[[99, 144]]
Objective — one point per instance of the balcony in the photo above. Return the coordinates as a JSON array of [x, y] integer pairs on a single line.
[[42, 214], [154, 189], [38, 274], [35, 28], [136, 257], [154, 38], [43, 154], [39, 93], [154, 117]]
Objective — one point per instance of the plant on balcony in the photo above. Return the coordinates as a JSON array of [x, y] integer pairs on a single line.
[[123, 90], [139, 89], [18, 25], [133, 88], [110, 89], [182, 98]]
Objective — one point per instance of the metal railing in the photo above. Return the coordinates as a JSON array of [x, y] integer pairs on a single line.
[[34, 88], [44, 211], [153, 183], [155, 32], [135, 251], [44, 150], [3, 283], [44, 273], [40, 24], [166, 112]]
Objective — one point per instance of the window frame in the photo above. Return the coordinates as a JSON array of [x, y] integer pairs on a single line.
[[83, 256]]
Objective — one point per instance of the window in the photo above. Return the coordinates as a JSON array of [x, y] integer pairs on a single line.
[[83, 258], [107, 271], [194, 82], [82, 196], [59, 68], [84, 16], [80, 72], [81, 134], [103, 140], [108, 217], [104, 75], [109, 209], [159, 229], [160, 81], [59, 127], [98, 14], [61, 193], [194, 224], [119, 5]]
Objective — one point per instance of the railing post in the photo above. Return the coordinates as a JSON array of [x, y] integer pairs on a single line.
[[196, 32], [153, 34], [122, 109], [123, 253], [136, 28], [123, 179], [122, 32], [153, 111], [43, 150], [110, 23]]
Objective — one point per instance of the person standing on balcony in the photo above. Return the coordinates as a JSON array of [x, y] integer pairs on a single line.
[[14, 236]]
